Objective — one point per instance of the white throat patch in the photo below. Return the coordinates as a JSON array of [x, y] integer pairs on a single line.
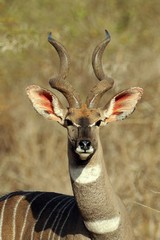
[[85, 174]]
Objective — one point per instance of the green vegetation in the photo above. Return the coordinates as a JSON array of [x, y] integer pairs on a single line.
[[32, 150]]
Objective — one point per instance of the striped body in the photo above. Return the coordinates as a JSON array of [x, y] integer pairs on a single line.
[[40, 216]]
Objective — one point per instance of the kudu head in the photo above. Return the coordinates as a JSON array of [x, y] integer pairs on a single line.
[[83, 120]]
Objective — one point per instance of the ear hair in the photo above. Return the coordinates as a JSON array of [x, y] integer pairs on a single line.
[[122, 104], [46, 103]]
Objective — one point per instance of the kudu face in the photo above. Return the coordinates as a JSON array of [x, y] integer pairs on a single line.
[[83, 126], [83, 120]]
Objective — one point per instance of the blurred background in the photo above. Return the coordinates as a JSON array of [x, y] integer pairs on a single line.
[[33, 151]]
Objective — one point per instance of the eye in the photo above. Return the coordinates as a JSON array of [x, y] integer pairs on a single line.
[[98, 123], [69, 122]]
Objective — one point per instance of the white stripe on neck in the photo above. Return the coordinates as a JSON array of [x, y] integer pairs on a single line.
[[85, 174], [103, 226]]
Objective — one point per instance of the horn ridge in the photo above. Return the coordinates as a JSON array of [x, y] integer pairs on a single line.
[[97, 57], [63, 55], [60, 83], [106, 82]]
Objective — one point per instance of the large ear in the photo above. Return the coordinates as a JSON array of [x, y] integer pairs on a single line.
[[122, 105], [46, 103]]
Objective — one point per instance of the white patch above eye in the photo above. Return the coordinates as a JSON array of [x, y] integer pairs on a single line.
[[93, 124], [77, 125], [84, 175], [103, 226]]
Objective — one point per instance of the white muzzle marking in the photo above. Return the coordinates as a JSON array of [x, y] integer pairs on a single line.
[[103, 226], [84, 154]]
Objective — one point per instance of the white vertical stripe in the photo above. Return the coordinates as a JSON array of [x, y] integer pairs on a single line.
[[2, 217], [32, 232], [55, 219], [59, 216], [45, 224], [26, 215], [2, 213], [14, 215], [65, 221]]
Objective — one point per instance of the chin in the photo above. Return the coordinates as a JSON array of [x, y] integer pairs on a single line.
[[83, 158]]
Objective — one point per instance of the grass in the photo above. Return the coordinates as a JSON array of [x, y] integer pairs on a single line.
[[31, 155]]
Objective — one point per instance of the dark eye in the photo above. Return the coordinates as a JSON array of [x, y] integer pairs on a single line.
[[98, 123], [69, 122]]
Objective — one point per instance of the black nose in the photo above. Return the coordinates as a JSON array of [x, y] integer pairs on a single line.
[[85, 144]]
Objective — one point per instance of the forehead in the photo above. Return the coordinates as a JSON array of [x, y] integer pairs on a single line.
[[83, 116]]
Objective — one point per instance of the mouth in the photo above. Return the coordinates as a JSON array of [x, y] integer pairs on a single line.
[[84, 154]]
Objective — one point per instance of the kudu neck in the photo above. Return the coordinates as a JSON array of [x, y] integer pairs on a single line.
[[91, 186]]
